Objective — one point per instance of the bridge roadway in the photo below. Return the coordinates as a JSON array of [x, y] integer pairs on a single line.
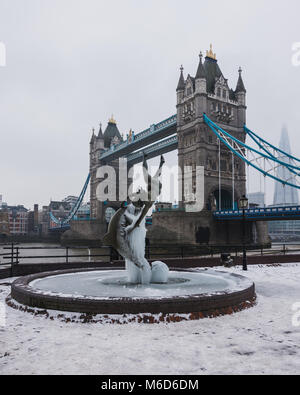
[[59, 229], [151, 135], [260, 214], [160, 148], [287, 213]]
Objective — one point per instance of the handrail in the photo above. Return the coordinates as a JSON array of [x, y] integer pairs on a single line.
[[172, 120], [152, 148], [263, 212], [75, 207], [153, 252]]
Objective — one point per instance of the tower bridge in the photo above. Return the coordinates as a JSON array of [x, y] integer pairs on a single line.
[[155, 133], [208, 131]]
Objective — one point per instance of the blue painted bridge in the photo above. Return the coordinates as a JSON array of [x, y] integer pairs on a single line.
[[157, 133], [260, 214], [161, 138]]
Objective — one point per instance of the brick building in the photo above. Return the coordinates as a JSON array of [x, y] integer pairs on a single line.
[[4, 223], [18, 220]]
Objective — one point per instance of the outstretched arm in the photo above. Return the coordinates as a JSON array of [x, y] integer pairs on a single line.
[[146, 174], [134, 219], [152, 181], [129, 217], [162, 161], [148, 180], [146, 208]]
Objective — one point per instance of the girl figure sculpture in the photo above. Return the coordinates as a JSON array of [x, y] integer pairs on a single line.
[[127, 233]]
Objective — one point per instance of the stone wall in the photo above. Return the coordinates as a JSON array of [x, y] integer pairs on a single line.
[[179, 227], [85, 232]]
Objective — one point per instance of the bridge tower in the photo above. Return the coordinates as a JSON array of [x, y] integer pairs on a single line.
[[98, 145], [208, 92], [92, 231], [96, 148], [224, 174]]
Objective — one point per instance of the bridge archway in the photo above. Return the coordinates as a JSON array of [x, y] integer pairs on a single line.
[[109, 212], [226, 199]]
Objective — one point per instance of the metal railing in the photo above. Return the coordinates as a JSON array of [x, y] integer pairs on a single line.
[[14, 253], [171, 121], [171, 141], [213, 251], [285, 212]]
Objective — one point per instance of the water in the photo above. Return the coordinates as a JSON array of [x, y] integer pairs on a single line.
[[114, 284], [51, 252]]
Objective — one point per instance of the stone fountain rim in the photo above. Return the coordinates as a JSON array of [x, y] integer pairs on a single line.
[[24, 294]]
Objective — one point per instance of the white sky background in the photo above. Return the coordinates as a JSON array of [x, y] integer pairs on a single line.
[[72, 63]]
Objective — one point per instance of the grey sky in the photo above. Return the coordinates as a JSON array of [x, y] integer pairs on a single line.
[[72, 63]]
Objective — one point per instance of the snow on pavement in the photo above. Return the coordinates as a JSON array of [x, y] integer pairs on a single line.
[[261, 340]]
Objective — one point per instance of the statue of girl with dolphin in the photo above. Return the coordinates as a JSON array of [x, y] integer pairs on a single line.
[[127, 232]]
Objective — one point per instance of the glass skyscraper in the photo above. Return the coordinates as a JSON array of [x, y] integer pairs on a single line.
[[284, 195]]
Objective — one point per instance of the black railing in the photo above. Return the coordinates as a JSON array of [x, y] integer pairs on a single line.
[[15, 254], [212, 251]]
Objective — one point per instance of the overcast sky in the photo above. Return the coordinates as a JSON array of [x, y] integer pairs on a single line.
[[73, 63]]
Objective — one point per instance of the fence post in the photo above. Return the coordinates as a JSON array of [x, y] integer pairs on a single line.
[[12, 260], [12, 253], [17, 255], [67, 254]]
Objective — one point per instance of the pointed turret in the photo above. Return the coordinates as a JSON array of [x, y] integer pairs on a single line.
[[201, 74], [240, 87], [100, 134], [181, 83], [240, 95], [200, 79], [93, 136]]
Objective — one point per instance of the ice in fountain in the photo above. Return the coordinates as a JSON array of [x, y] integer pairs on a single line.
[[144, 274]]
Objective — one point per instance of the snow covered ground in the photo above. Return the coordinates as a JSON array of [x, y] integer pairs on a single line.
[[261, 340]]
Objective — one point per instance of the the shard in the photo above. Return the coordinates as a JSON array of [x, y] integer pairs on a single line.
[[285, 195]]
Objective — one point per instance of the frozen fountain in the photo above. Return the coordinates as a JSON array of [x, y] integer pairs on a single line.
[[142, 287]]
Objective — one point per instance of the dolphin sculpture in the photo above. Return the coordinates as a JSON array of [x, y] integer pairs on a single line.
[[122, 230]]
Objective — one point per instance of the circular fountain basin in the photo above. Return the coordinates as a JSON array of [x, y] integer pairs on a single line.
[[108, 292]]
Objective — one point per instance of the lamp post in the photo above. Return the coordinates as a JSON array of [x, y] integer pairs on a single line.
[[243, 204]]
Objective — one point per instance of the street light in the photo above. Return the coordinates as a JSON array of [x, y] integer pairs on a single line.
[[243, 204]]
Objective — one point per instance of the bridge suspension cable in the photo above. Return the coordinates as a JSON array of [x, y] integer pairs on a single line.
[[260, 159], [75, 207], [265, 145], [291, 161]]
